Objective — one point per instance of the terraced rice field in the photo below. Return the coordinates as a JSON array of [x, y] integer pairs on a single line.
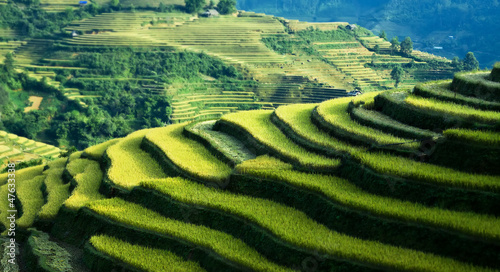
[[14, 147], [282, 79], [350, 58], [296, 25], [338, 183]]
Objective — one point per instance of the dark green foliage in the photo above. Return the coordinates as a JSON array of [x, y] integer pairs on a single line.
[[341, 34], [226, 6], [41, 254], [280, 45], [126, 63], [4, 98], [495, 73], [25, 164], [397, 74], [470, 62], [383, 35], [395, 45], [406, 46], [33, 21], [193, 6]]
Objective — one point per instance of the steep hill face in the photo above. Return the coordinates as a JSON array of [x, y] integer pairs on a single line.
[[366, 183], [473, 24]]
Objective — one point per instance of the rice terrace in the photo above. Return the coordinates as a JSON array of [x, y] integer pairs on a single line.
[[162, 135]]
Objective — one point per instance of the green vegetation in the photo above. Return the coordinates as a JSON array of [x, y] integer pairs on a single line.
[[349, 195], [148, 259], [190, 156], [453, 109], [440, 90], [226, 6], [298, 118], [47, 254], [87, 187], [223, 244], [31, 198], [193, 6], [97, 151], [259, 125], [476, 84], [357, 183], [495, 73], [57, 191], [488, 138], [129, 164], [313, 235], [380, 121], [335, 114]]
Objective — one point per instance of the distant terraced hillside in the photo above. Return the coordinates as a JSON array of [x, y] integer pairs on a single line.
[[14, 148], [401, 180], [237, 40]]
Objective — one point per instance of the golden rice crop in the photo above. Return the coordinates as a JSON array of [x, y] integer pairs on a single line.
[[87, 188], [407, 168], [488, 138], [23, 174], [297, 229], [298, 118], [75, 155], [347, 194], [188, 154], [222, 243], [144, 258], [335, 112], [57, 191], [258, 124], [31, 198], [77, 166], [449, 108], [4, 207], [96, 151], [130, 164], [58, 163]]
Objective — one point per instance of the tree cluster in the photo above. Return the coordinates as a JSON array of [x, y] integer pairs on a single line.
[[404, 48], [469, 63]]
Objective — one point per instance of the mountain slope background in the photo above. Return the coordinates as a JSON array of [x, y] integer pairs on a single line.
[[474, 25]]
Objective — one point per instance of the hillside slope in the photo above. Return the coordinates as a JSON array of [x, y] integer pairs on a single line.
[[367, 183], [473, 24]]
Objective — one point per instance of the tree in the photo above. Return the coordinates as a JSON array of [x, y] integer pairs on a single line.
[[132, 8], [211, 4], [9, 64], [394, 44], [397, 74], [383, 35], [470, 62], [226, 6], [115, 3], [406, 46], [193, 6], [457, 64], [162, 7], [376, 49]]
